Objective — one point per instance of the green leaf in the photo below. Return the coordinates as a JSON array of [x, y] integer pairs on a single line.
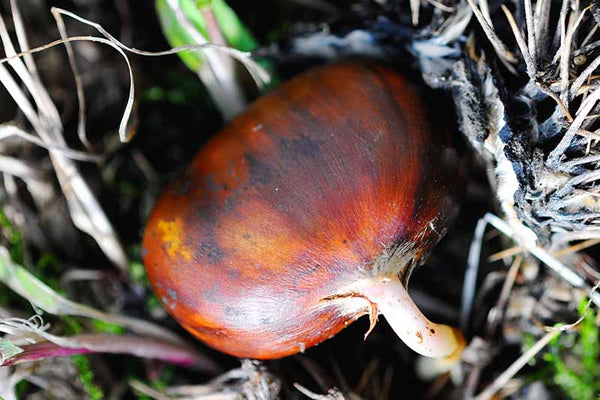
[[8, 350], [234, 31]]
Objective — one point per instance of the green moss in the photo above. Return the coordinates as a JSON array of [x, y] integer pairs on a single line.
[[138, 273], [21, 388], [15, 242], [152, 303], [572, 360], [72, 325], [165, 379], [105, 327], [86, 377]]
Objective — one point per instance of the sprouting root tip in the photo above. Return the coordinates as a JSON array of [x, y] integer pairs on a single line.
[[409, 323]]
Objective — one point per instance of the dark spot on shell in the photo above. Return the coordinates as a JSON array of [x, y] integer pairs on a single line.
[[207, 214], [304, 276], [230, 203], [345, 241], [207, 249], [229, 311], [183, 187], [225, 187], [210, 295], [284, 207], [420, 336], [172, 294], [235, 315], [212, 252], [303, 146], [259, 171], [233, 274], [432, 331], [231, 168], [211, 185], [247, 235], [144, 251]]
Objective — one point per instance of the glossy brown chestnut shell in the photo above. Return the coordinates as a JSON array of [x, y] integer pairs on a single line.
[[339, 176]]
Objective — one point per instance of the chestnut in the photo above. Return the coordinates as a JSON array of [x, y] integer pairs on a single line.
[[309, 210]]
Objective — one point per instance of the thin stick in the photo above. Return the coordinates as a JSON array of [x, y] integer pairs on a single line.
[[505, 55], [565, 57], [468, 292], [531, 40], [529, 61], [415, 5], [566, 273], [589, 70], [505, 253], [577, 247], [509, 282], [565, 142]]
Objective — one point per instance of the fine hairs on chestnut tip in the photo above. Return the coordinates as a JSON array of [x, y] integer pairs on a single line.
[[307, 211]]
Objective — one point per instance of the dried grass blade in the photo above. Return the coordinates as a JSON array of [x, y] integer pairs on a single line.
[[42, 296], [9, 130], [19, 97], [86, 212], [22, 38], [258, 73], [124, 135], [84, 208], [49, 115], [81, 133], [16, 167]]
